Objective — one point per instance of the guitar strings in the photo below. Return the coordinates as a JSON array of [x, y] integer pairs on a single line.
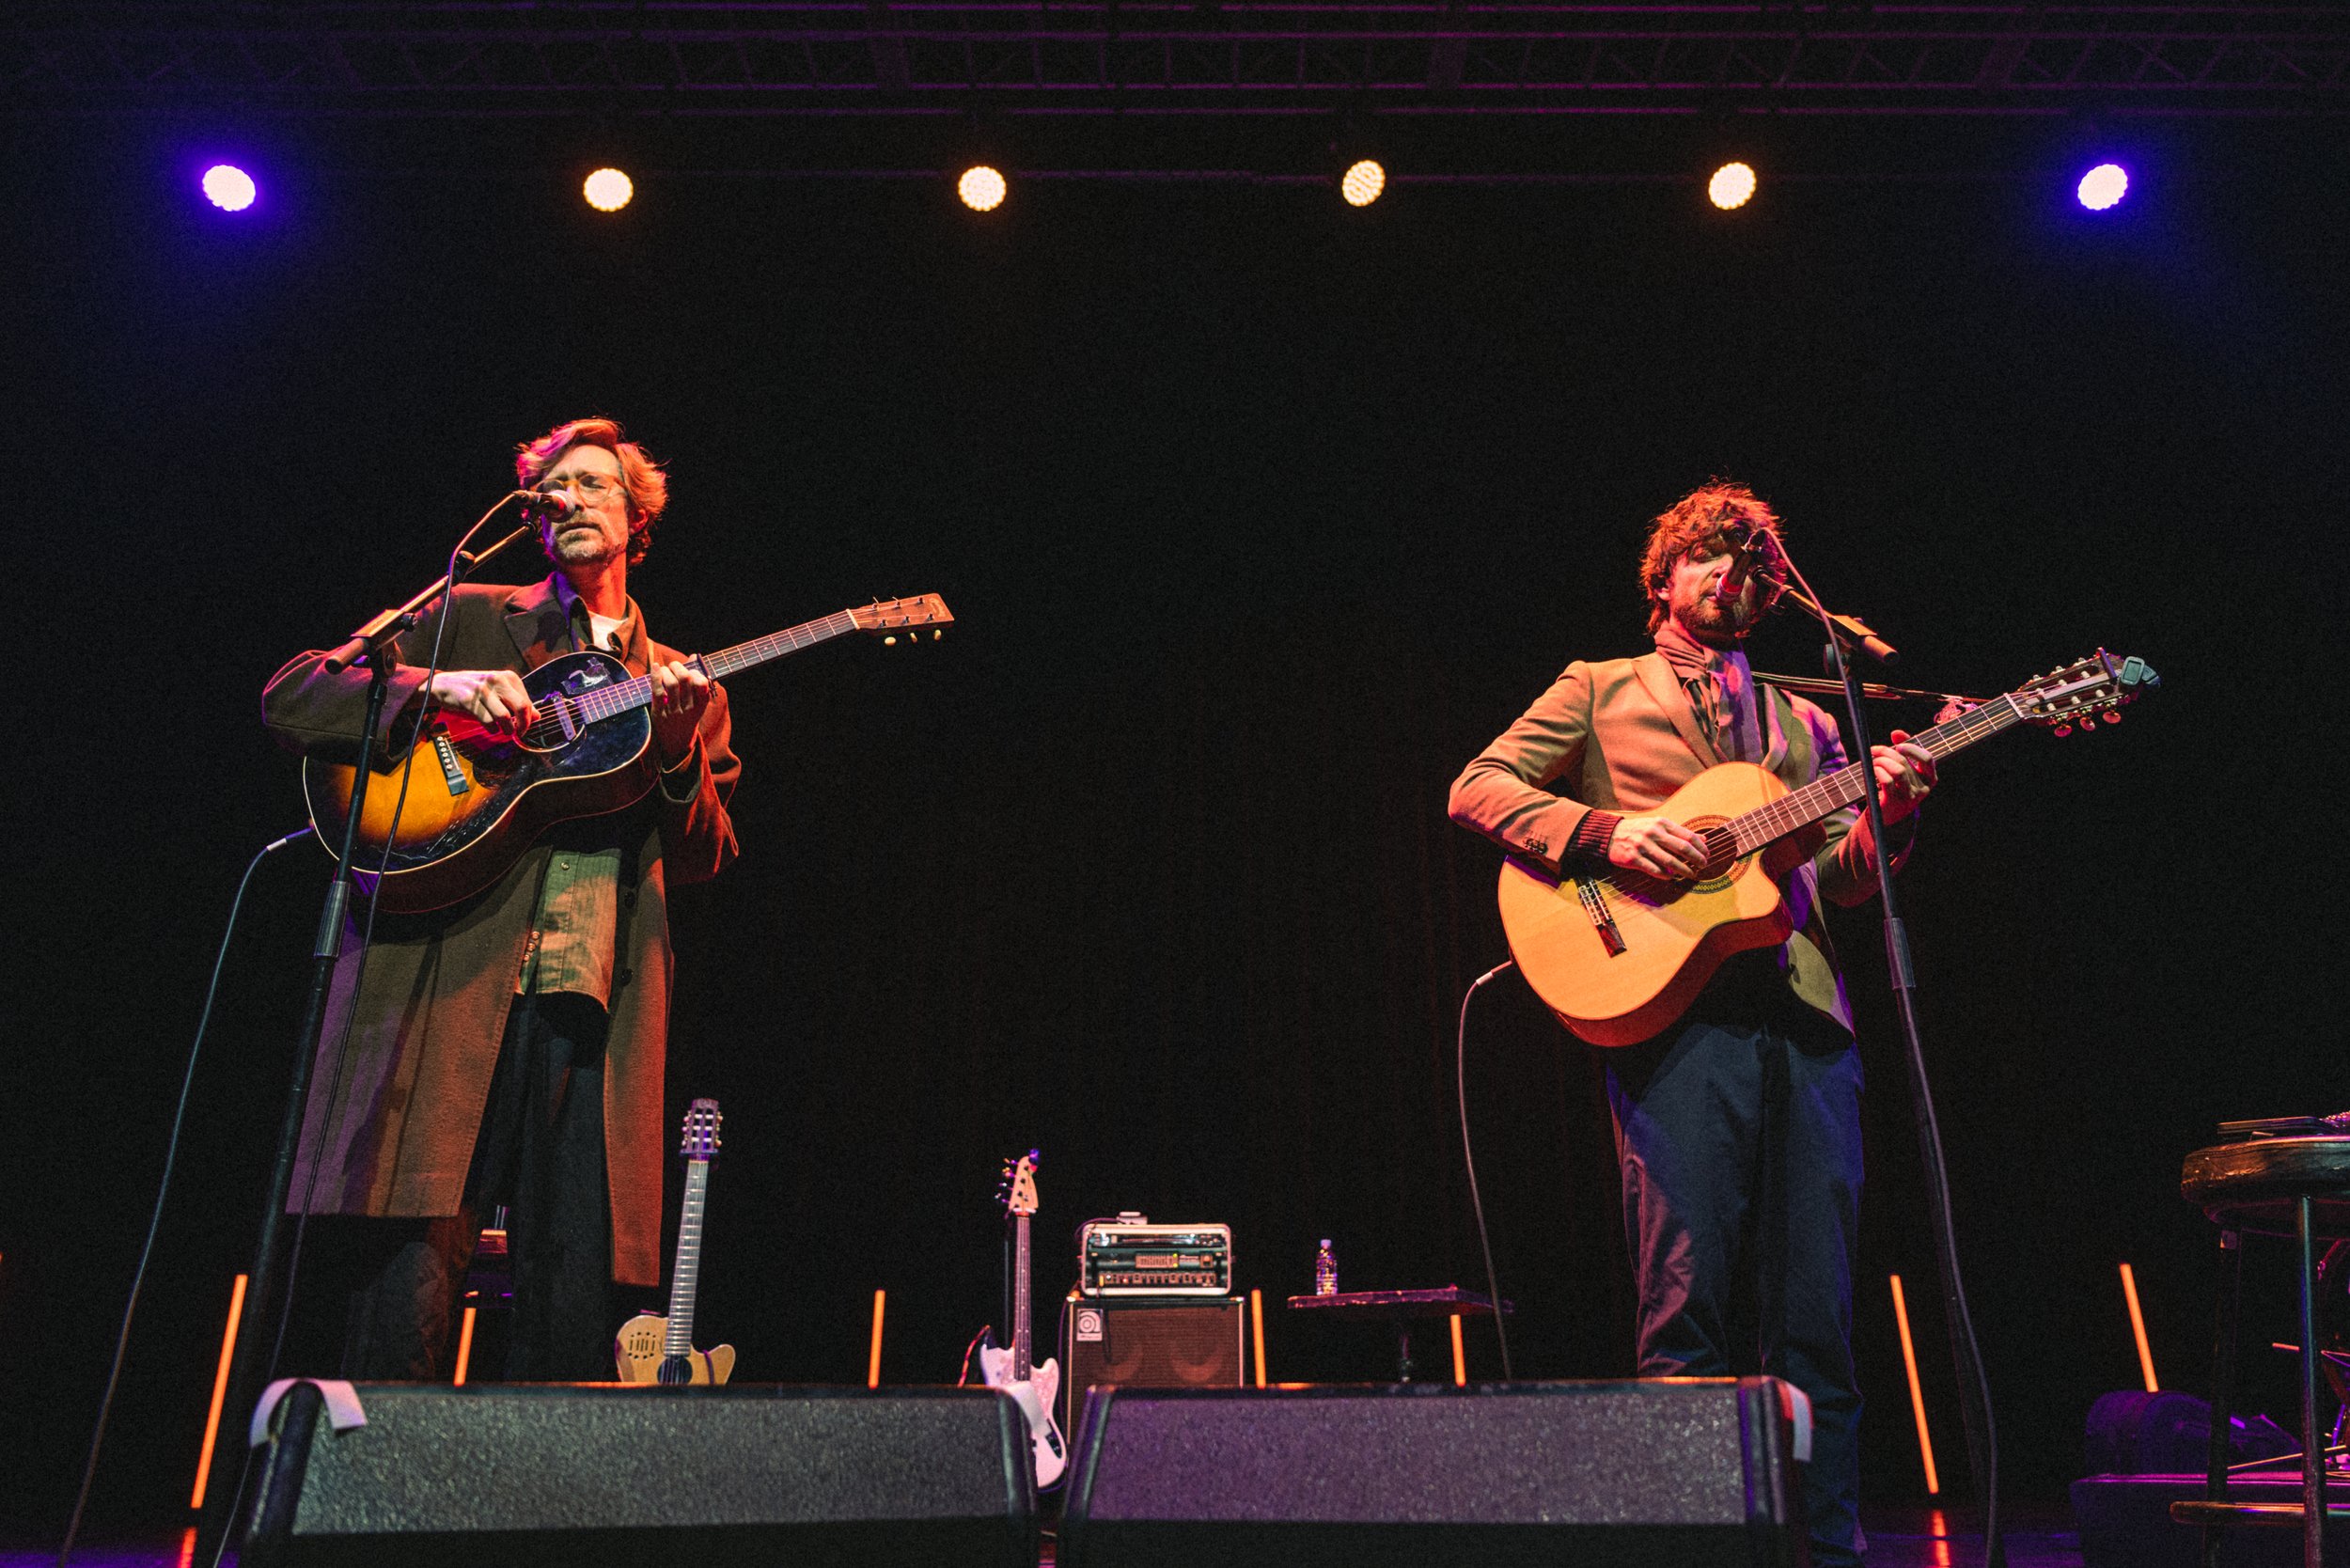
[[637, 691]]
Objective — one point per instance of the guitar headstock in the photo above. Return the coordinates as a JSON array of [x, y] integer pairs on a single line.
[[701, 1131], [892, 619], [1018, 1194], [2076, 695]]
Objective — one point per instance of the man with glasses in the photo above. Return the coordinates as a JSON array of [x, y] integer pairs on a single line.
[[1738, 1125], [508, 1052]]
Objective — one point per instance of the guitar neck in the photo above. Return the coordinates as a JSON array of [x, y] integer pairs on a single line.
[[1823, 797], [1021, 1363], [689, 1261], [607, 701]]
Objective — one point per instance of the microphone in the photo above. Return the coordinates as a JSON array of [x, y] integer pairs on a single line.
[[1733, 582], [547, 506]]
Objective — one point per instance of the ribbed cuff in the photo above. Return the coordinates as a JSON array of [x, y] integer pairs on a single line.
[[1592, 834]]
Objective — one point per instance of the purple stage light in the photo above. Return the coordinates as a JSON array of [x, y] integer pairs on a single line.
[[229, 188], [2103, 186]]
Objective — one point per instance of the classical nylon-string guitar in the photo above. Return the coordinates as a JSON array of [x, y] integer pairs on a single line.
[[476, 799], [653, 1349], [1618, 955]]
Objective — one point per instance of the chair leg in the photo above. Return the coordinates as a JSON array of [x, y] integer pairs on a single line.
[[2231, 1297], [2313, 1444]]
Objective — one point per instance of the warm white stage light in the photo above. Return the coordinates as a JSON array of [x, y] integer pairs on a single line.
[[1362, 182], [608, 190], [1732, 186], [981, 188], [229, 188], [2103, 186]]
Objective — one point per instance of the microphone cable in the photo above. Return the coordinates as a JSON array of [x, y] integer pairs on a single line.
[[1460, 1087], [359, 971], [162, 1192], [1974, 1383]]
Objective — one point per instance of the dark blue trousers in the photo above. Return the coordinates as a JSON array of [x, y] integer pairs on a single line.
[[1738, 1132]]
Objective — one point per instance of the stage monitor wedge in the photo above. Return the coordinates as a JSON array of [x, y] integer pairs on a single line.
[[1675, 1473], [601, 1476]]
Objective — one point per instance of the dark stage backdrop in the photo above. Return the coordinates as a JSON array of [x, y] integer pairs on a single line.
[[1260, 517]]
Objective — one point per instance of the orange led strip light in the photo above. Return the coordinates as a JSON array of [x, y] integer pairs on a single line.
[[220, 1392], [1916, 1393]]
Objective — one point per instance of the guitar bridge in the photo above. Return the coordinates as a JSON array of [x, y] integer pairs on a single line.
[[1602, 918], [454, 774]]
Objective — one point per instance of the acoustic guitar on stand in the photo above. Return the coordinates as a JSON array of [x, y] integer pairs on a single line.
[[1618, 955], [476, 799], [1032, 1385], [654, 1349]]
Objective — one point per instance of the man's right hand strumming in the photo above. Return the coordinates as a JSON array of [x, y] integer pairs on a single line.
[[494, 696], [1656, 846]]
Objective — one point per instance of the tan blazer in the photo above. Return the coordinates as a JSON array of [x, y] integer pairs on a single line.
[[397, 1134], [1621, 735]]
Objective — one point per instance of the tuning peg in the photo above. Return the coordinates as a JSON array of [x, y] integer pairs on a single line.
[[2062, 730], [890, 641], [2112, 717]]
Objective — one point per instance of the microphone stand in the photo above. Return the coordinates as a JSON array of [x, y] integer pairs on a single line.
[[249, 1362], [1974, 1389]]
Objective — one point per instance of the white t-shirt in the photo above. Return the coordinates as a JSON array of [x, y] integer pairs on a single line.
[[606, 631]]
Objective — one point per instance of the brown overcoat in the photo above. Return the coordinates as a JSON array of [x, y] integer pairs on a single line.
[[1620, 735], [391, 1131]]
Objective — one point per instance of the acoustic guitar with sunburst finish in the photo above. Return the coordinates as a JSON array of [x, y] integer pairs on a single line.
[[476, 799], [1620, 955]]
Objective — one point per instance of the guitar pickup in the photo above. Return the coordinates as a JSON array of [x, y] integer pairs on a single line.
[[450, 770], [1602, 918]]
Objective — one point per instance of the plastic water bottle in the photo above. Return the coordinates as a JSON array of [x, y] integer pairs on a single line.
[[1326, 1270]]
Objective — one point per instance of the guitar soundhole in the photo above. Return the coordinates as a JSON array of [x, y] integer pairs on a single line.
[[1721, 855], [675, 1371]]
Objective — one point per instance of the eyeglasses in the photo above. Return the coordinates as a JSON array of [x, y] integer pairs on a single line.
[[591, 486]]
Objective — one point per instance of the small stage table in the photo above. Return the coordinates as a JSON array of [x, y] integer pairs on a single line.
[[1401, 1307], [2292, 1186]]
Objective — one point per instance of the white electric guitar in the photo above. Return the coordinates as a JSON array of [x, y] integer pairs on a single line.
[[1032, 1385]]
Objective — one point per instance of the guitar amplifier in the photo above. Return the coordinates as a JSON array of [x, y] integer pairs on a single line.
[[1130, 1256], [1171, 1343]]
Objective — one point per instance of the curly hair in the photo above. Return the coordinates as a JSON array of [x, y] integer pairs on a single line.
[[1695, 522], [646, 486]]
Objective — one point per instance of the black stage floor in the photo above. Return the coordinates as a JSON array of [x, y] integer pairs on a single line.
[[2039, 1537]]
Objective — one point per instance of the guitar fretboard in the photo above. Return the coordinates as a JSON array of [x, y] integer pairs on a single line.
[[1831, 793], [1020, 1353], [680, 1341], [604, 702]]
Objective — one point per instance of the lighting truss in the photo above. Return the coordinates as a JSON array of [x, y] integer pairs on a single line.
[[471, 58]]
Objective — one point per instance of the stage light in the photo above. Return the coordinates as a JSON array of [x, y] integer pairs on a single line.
[[2103, 186], [981, 188], [1732, 186], [1363, 182], [608, 190], [229, 188]]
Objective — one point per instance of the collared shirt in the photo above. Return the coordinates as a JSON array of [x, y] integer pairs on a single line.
[[1721, 692], [577, 930], [1720, 684]]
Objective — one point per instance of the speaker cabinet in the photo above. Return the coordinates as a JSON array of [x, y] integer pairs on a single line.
[[1140, 1342], [1680, 1473], [580, 1476]]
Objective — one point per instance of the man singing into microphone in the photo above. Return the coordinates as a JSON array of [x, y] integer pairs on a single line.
[[507, 1051], [1738, 1126]]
